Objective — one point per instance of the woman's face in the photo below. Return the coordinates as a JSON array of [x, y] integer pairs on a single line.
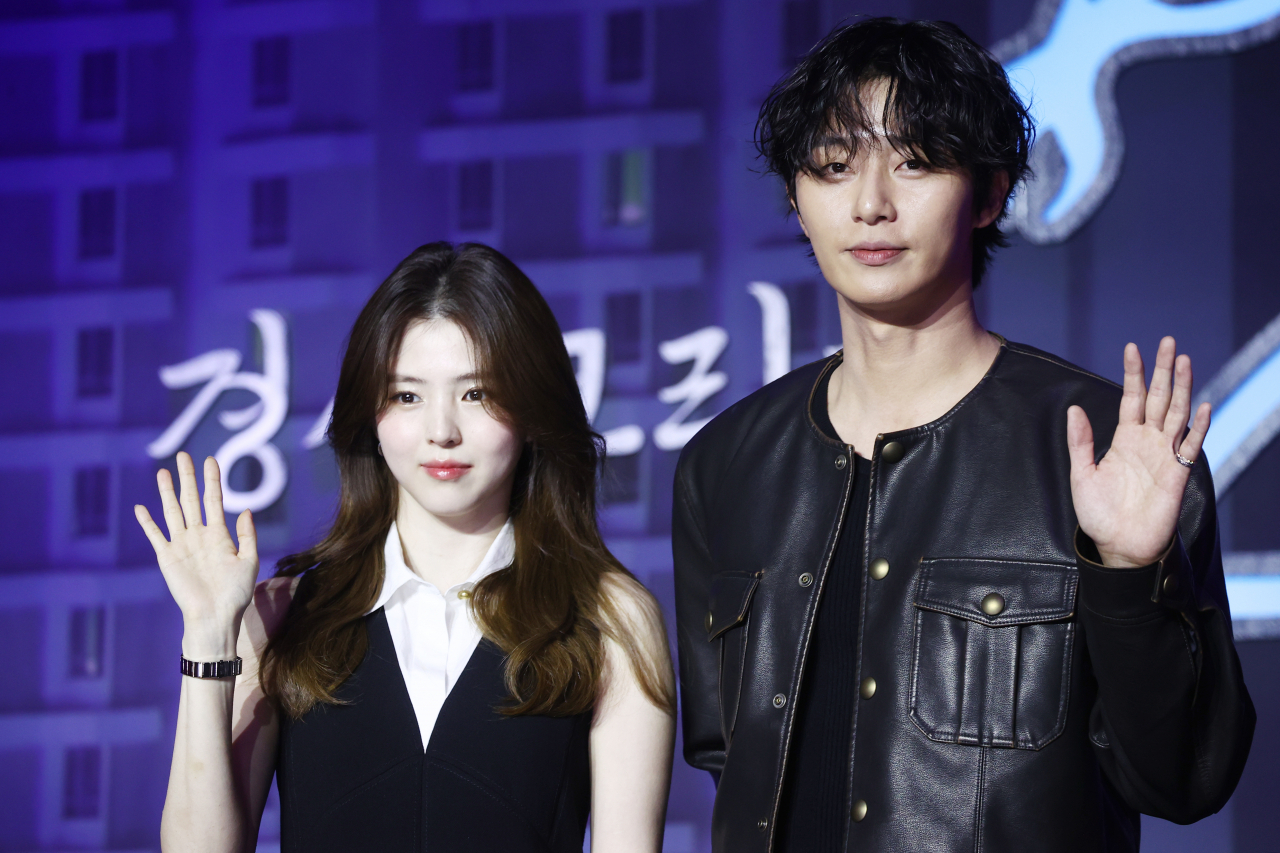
[[452, 459]]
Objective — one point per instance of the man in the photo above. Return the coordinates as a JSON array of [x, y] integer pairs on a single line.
[[919, 609]]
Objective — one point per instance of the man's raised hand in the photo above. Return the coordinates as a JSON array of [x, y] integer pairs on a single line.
[[1129, 502], [209, 577]]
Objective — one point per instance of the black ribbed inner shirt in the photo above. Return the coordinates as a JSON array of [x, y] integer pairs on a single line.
[[814, 808]]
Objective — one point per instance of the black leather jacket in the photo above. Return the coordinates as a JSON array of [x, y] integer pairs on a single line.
[[1045, 720]]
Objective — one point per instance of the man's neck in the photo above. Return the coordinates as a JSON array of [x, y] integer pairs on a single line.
[[897, 375]]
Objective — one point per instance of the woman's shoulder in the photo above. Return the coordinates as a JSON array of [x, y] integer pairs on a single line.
[[632, 618], [265, 614], [631, 614], [272, 597], [630, 601]]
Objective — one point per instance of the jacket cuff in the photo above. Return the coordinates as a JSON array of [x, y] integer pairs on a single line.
[[1136, 593]]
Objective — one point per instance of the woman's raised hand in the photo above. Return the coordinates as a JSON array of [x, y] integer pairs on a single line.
[[210, 578]]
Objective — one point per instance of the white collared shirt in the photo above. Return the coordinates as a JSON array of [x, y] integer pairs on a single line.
[[434, 632]]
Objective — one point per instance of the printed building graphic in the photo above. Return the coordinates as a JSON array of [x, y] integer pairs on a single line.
[[231, 180]]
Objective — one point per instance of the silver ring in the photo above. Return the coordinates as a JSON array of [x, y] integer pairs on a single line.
[[1182, 460]]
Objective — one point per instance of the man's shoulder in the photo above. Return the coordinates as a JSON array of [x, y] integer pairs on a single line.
[[770, 412], [1046, 374]]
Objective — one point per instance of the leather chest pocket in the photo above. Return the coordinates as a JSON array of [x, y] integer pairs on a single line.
[[991, 665], [728, 615]]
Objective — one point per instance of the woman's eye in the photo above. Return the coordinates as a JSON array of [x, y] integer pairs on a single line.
[[473, 395], [404, 397]]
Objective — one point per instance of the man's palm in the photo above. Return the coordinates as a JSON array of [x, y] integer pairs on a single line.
[[1129, 502]]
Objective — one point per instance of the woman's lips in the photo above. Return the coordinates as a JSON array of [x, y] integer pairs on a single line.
[[446, 470], [875, 256]]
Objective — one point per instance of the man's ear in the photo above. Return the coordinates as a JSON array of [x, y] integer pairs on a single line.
[[996, 194], [791, 197]]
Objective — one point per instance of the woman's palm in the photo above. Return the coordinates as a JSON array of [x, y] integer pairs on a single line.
[[208, 576]]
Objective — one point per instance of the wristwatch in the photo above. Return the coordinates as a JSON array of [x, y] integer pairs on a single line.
[[211, 668]]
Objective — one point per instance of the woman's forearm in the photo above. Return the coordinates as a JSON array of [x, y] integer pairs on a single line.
[[205, 807], [212, 580]]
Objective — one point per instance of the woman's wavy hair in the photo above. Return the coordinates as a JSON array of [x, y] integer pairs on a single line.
[[547, 611], [947, 102]]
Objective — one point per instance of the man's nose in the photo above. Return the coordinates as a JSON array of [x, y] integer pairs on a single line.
[[873, 198]]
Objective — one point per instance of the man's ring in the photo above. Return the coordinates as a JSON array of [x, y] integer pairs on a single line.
[[1182, 460]]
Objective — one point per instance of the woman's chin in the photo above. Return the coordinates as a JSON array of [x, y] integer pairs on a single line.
[[458, 510]]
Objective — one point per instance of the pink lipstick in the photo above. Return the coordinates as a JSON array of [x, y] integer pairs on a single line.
[[446, 470], [876, 254]]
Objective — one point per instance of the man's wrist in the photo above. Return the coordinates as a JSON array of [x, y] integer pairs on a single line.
[[1114, 560], [1133, 592], [1091, 552]]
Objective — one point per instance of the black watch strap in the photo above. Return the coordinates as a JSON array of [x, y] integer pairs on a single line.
[[211, 668]]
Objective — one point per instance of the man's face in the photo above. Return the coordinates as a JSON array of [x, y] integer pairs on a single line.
[[891, 234]]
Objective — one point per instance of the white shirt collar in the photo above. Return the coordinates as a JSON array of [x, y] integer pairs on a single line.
[[398, 573]]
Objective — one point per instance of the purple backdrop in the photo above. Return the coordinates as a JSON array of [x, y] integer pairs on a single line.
[[180, 178]]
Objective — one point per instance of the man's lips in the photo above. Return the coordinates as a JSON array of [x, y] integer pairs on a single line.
[[875, 254], [446, 470]]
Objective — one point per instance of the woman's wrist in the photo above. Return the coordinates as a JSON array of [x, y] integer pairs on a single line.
[[210, 639]]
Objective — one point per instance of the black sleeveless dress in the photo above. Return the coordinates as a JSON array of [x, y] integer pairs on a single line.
[[355, 777]]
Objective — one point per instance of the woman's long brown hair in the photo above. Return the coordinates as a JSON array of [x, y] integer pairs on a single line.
[[547, 611]]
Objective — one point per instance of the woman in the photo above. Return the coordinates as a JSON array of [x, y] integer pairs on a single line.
[[460, 664]]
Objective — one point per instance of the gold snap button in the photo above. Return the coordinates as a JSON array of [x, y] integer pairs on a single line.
[[842, 461], [709, 621], [868, 687], [892, 451], [464, 594], [859, 810], [1170, 585], [879, 568], [779, 701], [993, 604], [806, 579]]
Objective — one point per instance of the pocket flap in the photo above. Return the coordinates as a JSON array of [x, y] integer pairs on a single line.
[[998, 592], [730, 599]]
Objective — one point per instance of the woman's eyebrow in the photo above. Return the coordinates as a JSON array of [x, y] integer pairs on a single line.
[[401, 379]]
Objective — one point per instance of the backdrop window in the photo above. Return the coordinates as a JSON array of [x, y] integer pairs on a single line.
[[271, 77], [625, 46], [99, 86]]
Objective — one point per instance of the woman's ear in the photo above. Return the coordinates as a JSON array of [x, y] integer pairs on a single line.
[[997, 192]]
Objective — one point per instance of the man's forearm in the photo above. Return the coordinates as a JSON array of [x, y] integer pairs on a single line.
[[1173, 710]]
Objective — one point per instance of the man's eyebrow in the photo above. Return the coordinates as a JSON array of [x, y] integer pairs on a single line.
[[832, 140]]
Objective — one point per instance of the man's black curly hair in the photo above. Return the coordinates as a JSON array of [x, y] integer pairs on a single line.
[[947, 102]]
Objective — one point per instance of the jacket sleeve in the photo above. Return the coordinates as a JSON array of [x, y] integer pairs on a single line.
[[704, 745], [1172, 722]]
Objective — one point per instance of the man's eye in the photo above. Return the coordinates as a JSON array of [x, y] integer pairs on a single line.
[[914, 165], [474, 395], [836, 168]]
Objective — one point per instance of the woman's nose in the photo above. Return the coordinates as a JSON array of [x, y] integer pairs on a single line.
[[442, 427]]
